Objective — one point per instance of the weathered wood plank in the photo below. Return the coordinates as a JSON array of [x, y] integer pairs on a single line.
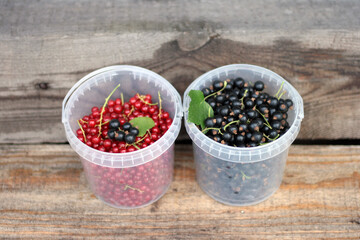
[[313, 45], [44, 195]]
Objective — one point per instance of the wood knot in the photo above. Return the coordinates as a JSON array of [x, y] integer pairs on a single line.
[[42, 85]]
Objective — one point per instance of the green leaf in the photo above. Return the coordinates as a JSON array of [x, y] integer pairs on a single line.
[[143, 124], [199, 109]]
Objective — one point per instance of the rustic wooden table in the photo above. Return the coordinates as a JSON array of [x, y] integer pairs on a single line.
[[44, 194], [47, 46]]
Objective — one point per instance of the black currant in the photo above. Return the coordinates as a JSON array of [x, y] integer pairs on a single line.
[[220, 99], [217, 138], [224, 111], [256, 137], [243, 117], [211, 102], [276, 124], [254, 126], [252, 114], [126, 126], [111, 133], [283, 107], [239, 82], [277, 116], [273, 102], [243, 127], [232, 97], [218, 120], [130, 138], [260, 122], [272, 133], [263, 108], [206, 91], [249, 103], [289, 103], [119, 136], [232, 129], [236, 111], [227, 136], [239, 139], [218, 85], [114, 124], [259, 86], [259, 101], [210, 122], [134, 130]]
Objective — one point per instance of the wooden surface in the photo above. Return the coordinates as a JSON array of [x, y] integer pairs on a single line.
[[47, 46], [44, 195]]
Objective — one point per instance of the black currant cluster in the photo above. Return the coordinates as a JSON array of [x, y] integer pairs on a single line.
[[128, 133], [244, 116]]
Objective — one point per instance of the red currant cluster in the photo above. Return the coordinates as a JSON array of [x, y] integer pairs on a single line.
[[131, 187], [94, 128]]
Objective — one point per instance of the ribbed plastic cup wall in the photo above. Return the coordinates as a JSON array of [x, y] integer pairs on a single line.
[[242, 176], [124, 180]]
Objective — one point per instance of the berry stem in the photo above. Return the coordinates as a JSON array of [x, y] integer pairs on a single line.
[[242, 99], [102, 124], [272, 139], [122, 98], [142, 100], [83, 132], [207, 129], [281, 94], [278, 92], [160, 106], [133, 188], [131, 111], [237, 121], [225, 84], [105, 103], [267, 123], [244, 176]]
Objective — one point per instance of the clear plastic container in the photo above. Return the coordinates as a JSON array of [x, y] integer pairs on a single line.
[[242, 176], [124, 180]]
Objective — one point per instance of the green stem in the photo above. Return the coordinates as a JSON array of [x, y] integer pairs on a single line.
[[160, 107], [103, 108], [242, 99], [267, 123], [122, 98], [83, 132], [272, 139], [225, 84], [136, 189], [281, 86], [142, 100], [281, 94], [237, 121], [244, 175], [207, 129]]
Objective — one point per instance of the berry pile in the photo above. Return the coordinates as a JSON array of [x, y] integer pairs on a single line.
[[115, 134], [131, 187], [244, 115], [120, 127]]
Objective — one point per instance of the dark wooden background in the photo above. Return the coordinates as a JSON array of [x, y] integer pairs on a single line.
[[47, 46]]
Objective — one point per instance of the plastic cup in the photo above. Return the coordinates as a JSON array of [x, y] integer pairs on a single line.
[[124, 180], [242, 176]]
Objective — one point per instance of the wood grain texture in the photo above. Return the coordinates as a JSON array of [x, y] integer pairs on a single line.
[[44, 195], [47, 46]]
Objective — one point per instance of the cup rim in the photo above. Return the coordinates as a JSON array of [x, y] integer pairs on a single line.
[[291, 134], [170, 135]]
